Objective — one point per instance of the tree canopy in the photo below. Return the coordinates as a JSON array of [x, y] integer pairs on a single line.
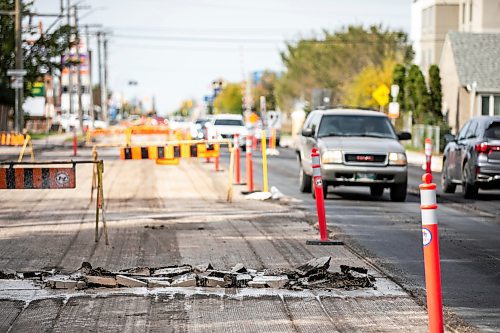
[[333, 59], [229, 100], [266, 87], [41, 56]]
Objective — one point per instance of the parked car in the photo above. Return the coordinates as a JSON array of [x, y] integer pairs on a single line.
[[227, 125], [199, 128], [472, 158], [357, 148]]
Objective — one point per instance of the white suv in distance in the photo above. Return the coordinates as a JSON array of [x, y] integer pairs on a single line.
[[227, 125], [357, 148]]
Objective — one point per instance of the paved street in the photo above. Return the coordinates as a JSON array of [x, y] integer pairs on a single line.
[[389, 235], [165, 215]]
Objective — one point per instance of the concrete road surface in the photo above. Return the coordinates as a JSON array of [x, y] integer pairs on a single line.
[[164, 215]]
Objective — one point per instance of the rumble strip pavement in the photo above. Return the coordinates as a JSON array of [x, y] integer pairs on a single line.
[[168, 221]]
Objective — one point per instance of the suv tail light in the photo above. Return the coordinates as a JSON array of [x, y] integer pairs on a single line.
[[485, 148]]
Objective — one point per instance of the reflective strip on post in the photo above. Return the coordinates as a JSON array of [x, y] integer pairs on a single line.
[[428, 147]]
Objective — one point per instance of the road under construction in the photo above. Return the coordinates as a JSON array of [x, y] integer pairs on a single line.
[[170, 216]]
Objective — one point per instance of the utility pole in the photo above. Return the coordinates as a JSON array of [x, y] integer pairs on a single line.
[[91, 94], [78, 68], [105, 90], [69, 65], [19, 116], [99, 59]]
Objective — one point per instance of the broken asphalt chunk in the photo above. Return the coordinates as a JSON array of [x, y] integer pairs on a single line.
[[211, 281], [136, 271], [62, 283], [186, 280], [238, 268], [203, 268], [276, 282], [173, 270], [314, 266], [130, 282], [242, 280], [101, 281]]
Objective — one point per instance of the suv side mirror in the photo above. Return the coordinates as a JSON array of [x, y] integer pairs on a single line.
[[404, 136], [307, 132], [449, 138]]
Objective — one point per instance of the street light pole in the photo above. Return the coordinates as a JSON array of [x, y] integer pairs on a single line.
[[91, 93], [105, 90], [99, 71], [19, 117]]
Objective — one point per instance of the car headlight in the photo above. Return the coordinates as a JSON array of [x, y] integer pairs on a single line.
[[332, 157], [397, 159]]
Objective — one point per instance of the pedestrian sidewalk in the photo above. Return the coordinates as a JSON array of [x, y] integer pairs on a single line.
[[52, 141]]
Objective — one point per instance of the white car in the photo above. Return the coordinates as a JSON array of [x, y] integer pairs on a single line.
[[70, 122], [227, 125]]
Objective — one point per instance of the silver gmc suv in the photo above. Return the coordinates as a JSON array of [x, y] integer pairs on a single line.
[[357, 148]]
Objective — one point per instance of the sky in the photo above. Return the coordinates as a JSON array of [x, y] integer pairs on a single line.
[[174, 49]]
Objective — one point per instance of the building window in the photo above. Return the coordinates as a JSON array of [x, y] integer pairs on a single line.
[[470, 11], [490, 105], [485, 105]]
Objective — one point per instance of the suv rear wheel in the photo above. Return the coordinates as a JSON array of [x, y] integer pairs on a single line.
[[469, 189], [446, 184], [305, 181], [398, 192]]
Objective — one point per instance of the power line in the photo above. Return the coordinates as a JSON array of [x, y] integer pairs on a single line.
[[210, 39]]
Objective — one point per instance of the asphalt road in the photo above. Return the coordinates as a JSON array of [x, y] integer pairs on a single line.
[[389, 234]]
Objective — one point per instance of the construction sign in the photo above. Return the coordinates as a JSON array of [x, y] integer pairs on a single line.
[[169, 152], [37, 178]]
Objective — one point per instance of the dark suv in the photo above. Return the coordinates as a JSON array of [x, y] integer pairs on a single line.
[[472, 159]]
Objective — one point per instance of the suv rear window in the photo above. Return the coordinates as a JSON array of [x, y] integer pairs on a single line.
[[345, 125], [228, 122], [493, 131]]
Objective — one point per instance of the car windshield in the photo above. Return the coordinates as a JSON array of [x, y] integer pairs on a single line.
[[228, 122], [356, 125], [493, 131]]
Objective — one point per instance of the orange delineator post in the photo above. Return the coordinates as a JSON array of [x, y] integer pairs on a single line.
[[317, 183], [75, 144], [249, 163], [272, 142], [428, 155], [432, 264], [318, 191], [216, 163], [237, 159]]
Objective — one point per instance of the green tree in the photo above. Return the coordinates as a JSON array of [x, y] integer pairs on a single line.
[[39, 57], [266, 87], [359, 91], [435, 90], [332, 59], [229, 100], [398, 78]]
